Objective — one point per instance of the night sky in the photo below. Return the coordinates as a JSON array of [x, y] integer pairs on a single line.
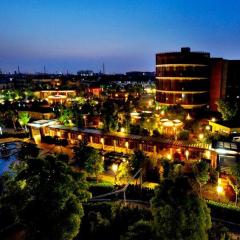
[[124, 34]]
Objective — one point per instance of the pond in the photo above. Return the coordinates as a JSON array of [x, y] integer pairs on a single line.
[[10, 156]]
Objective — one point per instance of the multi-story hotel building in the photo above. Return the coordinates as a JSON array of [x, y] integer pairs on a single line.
[[183, 78]]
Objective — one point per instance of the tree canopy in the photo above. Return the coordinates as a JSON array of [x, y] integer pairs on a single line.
[[88, 159], [45, 197], [178, 211], [227, 108]]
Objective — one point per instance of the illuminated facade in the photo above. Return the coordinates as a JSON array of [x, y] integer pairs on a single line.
[[183, 78]]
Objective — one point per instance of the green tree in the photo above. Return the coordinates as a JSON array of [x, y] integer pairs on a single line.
[[227, 108], [109, 114], [99, 225], [28, 150], [88, 159], [183, 135], [66, 116], [176, 112], [46, 198], [10, 114], [169, 169], [235, 183], [137, 161], [219, 232], [178, 211], [23, 119], [123, 172], [200, 170], [141, 230]]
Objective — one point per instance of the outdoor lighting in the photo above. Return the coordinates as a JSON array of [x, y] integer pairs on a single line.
[[224, 151], [84, 118], [115, 167], [213, 119], [208, 127], [122, 129], [188, 117], [208, 154], [126, 145], [187, 154], [219, 181], [201, 136], [219, 189], [169, 156]]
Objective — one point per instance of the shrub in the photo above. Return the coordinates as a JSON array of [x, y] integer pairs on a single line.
[[183, 135], [48, 139]]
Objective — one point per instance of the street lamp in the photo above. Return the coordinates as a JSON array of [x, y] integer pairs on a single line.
[[115, 169], [122, 129], [102, 142], [213, 119], [84, 118], [219, 190], [126, 145], [219, 187], [187, 154], [208, 127]]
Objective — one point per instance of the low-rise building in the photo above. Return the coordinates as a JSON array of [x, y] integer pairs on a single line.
[[225, 127]]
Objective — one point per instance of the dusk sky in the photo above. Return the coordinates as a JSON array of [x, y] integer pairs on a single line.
[[124, 34]]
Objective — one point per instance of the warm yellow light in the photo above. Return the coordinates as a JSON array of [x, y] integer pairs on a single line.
[[115, 168], [201, 136], [188, 117], [187, 153], [162, 112], [208, 127], [80, 137], [213, 119], [219, 181], [102, 140], [219, 189], [169, 156], [208, 154], [126, 144], [122, 129]]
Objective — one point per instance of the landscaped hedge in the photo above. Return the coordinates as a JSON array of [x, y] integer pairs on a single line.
[[136, 192], [227, 212], [99, 189]]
